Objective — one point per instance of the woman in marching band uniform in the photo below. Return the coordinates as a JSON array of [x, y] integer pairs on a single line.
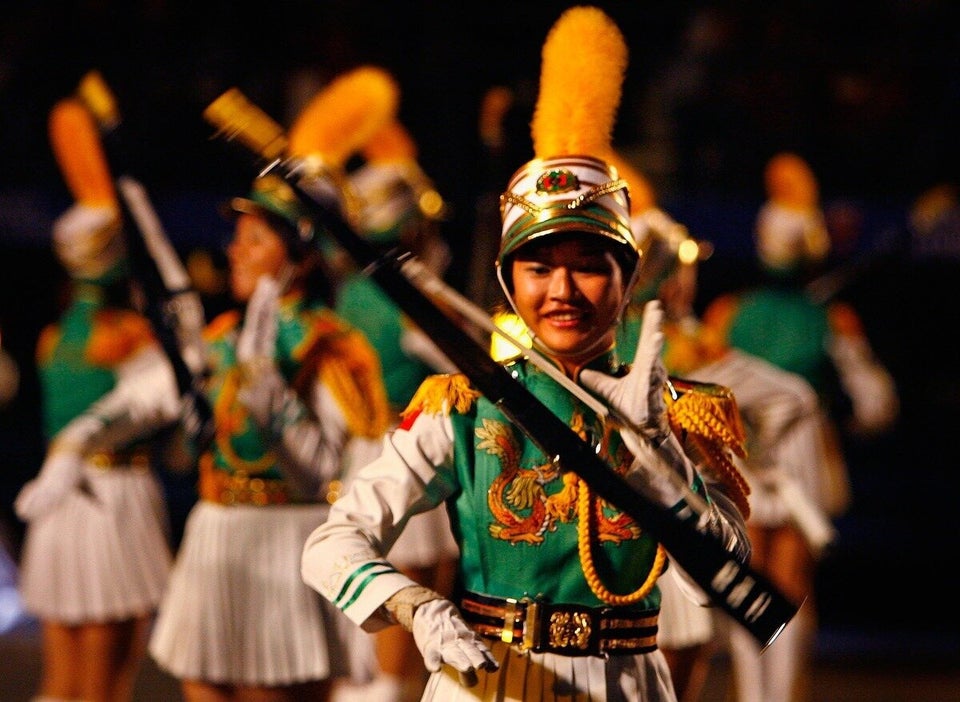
[[536, 543]]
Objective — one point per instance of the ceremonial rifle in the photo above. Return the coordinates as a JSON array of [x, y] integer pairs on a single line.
[[171, 304], [747, 596]]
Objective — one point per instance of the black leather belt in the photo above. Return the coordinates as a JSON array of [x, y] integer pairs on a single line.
[[570, 630]]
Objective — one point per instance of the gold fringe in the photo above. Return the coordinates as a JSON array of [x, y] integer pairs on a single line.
[[443, 394], [709, 417], [350, 368]]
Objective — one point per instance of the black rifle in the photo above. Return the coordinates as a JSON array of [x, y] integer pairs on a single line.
[[164, 306], [747, 596]]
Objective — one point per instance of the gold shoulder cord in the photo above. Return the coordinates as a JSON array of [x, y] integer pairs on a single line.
[[584, 503], [222, 410]]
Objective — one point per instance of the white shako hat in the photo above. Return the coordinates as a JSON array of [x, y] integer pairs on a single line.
[[571, 186]]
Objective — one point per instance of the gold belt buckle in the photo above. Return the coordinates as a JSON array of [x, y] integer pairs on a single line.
[[571, 629], [509, 620]]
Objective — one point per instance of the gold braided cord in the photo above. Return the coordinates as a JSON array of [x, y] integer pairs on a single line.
[[585, 198], [596, 192], [584, 541]]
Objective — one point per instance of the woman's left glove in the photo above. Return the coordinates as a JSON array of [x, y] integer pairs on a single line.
[[662, 471], [637, 397]]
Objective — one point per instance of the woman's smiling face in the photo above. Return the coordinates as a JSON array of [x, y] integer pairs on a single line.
[[569, 291]]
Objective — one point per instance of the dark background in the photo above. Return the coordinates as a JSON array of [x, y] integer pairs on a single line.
[[867, 92]]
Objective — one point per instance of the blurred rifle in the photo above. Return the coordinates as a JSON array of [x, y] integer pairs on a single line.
[[172, 305]]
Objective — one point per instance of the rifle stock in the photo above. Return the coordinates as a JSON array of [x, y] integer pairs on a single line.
[[748, 597]]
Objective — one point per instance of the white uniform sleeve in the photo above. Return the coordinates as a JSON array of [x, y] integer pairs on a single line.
[[310, 444], [866, 382], [144, 400], [344, 558]]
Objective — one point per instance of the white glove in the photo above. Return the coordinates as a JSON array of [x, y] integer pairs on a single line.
[[61, 473], [443, 636], [259, 335], [263, 389], [637, 397]]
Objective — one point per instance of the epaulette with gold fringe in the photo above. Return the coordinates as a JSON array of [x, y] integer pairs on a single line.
[[220, 325], [350, 368], [707, 415], [442, 393]]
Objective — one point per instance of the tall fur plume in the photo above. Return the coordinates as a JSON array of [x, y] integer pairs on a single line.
[[75, 141], [584, 62], [790, 181], [343, 116], [391, 143]]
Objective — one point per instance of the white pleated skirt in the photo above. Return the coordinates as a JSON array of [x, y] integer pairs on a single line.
[[236, 610], [682, 621], [543, 677], [101, 555]]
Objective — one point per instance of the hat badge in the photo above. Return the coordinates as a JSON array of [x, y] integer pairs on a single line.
[[557, 180]]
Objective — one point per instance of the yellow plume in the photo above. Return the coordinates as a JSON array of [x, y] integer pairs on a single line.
[[390, 143], [790, 181], [584, 62], [96, 95], [76, 145], [344, 115]]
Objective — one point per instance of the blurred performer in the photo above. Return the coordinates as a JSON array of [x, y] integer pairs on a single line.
[[290, 383], [537, 544], [399, 208], [96, 554], [781, 323]]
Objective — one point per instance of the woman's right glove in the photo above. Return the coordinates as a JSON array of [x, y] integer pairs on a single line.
[[443, 636], [308, 449], [440, 632], [661, 471]]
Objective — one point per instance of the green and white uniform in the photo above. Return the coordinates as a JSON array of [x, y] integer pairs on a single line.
[[520, 524], [102, 553]]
